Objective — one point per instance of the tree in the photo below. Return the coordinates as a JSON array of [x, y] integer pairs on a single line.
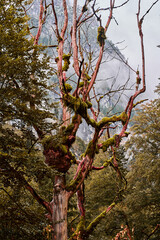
[[142, 199], [138, 213], [24, 71], [27, 101]]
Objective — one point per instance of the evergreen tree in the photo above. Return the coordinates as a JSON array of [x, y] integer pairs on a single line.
[[142, 201], [24, 106]]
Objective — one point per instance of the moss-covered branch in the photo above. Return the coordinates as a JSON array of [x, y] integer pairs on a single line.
[[80, 107], [109, 142], [80, 231], [66, 59], [73, 183], [97, 220], [107, 162], [92, 148], [101, 36], [122, 117]]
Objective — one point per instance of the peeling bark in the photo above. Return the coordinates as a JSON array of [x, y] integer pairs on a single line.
[[59, 209]]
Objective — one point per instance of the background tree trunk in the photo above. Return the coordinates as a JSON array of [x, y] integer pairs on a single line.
[[60, 206]]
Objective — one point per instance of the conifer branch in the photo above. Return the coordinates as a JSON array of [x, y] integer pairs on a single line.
[[12, 171]]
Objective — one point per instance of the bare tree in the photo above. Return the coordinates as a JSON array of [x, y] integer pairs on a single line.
[[76, 103]]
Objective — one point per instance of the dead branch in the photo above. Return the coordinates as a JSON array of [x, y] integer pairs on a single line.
[[74, 39], [56, 20]]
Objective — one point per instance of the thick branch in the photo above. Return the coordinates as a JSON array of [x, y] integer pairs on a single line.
[[61, 43], [65, 19]]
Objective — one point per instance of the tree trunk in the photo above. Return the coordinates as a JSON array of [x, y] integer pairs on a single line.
[[60, 206]]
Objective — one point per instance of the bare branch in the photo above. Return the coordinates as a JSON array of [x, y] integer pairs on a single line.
[[56, 20], [74, 39], [101, 50], [149, 10]]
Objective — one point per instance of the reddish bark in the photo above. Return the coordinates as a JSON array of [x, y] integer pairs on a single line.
[[59, 209], [59, 158]]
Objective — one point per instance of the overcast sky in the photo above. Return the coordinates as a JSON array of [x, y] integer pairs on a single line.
[[127, 31]]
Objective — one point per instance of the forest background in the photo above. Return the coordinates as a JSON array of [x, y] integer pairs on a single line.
[[29, 96]]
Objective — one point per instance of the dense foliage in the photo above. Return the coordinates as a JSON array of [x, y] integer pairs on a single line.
[[24, 71], [139, 209], [142, 201]]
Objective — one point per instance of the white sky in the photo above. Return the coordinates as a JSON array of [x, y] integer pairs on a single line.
[[127, 31]]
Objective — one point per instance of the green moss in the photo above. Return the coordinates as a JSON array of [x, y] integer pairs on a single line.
[[68, 87], [107, 120], [66, 59], [138, 80], [80, 107], [91, 122], [95, 222], [107, 162], [89, 104], [87, 77], [123, 117], [47, 141], [65, 132], [69, 129], [74, 118], [80, 231], [64, 149], [62, 129], [73, 158], [91, 149], [64, 139], [74, 182], [81, 224], [55, 142], [101, 36], [81, 84], [108, 142], [76, 104]]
